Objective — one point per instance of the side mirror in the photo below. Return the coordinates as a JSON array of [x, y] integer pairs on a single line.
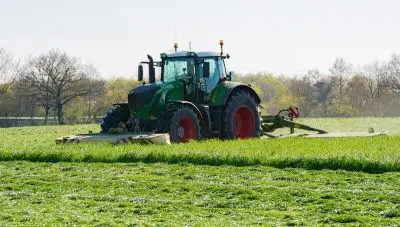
[[140, 73], [206, 69], [230, 76]]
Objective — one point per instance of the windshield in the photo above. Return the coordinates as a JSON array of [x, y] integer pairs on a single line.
[[178, 68]]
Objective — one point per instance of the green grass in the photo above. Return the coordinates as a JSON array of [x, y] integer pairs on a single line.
[[371, 155], [292, 181], [186, 194]]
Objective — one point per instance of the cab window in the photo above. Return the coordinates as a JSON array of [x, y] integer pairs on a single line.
[[178, 68], [214, 77]]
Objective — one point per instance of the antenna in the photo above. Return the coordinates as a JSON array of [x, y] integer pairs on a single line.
[[221, 43], [190, 46]]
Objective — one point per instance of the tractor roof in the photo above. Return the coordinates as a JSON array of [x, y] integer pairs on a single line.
[[200, 54]]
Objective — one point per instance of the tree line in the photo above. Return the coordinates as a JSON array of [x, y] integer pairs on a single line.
[[54, 84], [373, 90]]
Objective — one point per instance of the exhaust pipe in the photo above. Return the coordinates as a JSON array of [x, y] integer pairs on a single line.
[[152, 72]]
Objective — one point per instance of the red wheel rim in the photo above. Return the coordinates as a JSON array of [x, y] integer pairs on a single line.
[[186, 130], [244, 122]]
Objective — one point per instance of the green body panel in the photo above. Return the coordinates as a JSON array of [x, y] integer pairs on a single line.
[[222, 92], [172, 90]]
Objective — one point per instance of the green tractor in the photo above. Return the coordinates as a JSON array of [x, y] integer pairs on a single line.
[[195, 98]]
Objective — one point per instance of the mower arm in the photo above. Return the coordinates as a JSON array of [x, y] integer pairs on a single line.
[[271, 123]]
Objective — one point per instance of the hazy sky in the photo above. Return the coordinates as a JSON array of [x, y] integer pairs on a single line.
[[283, 37]]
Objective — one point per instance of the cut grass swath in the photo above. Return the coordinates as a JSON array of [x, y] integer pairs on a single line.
[[370, 155]]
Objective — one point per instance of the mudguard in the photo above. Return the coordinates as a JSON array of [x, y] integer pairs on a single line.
[[192, 105], [224, 90]]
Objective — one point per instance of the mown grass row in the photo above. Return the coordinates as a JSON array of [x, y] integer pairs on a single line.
[[312, 163], [370, 155]]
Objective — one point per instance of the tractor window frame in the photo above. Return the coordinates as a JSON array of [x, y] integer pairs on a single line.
[[222, 67], [176, 59], [213, 79]]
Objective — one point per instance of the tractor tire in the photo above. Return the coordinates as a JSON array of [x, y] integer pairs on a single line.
[[182, 124], [241, 119], [116, 117]]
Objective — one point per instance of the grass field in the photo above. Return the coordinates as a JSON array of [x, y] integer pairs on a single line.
[[342, 180]]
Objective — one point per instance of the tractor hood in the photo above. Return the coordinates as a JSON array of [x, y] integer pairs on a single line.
[[146, 99], [140, 96]]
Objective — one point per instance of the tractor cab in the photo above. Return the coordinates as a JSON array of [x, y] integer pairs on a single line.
[[200, 72]]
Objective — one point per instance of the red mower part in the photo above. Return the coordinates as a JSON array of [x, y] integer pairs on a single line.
[[186, 130], [244, 122], [294, 112]]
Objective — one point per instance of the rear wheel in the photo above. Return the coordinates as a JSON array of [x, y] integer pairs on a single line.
[[241, 117], [115, 118], [183, 124]]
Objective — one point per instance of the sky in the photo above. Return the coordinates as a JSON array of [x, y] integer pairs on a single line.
[[282, 37]]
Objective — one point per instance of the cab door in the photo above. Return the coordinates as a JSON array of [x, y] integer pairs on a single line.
[[208, 84]]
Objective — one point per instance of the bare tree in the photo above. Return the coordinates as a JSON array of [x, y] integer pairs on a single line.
[[357, 92], [8, 71], [323, 94], [394, 72], [314, 75], [56, 79], [376, 75], [31, 98], [378, 84], [302, 88], [340, 71]]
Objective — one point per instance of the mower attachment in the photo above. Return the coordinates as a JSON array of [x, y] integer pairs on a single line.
[[121, 138], [271, 123]]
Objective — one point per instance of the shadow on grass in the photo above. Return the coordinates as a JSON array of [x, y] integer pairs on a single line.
[[311, 163]]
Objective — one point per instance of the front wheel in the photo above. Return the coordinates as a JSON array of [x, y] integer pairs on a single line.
[[116, 117], [183, 125], [241, 117]]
